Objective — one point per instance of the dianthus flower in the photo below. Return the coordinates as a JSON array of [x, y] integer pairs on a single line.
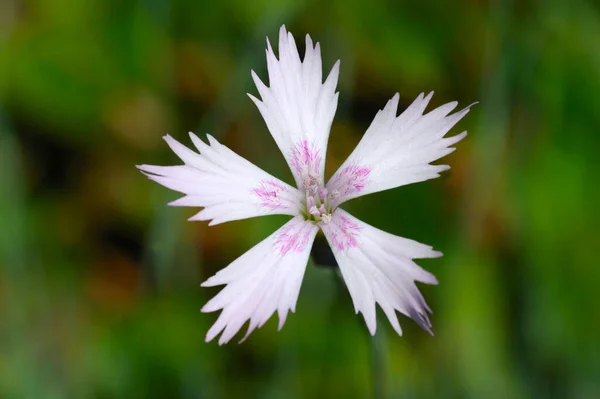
[[298, 109]]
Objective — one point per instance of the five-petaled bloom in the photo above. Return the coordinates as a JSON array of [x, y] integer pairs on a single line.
[[298, 109]]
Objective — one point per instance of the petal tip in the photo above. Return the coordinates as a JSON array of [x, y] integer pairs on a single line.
[[205, 284], [253, 98], [373, 330]]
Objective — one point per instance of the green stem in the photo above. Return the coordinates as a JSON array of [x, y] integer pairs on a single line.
[[378, 368], [378, 350]]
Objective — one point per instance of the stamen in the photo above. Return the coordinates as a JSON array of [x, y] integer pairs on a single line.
[[323, 193], [318, 206]]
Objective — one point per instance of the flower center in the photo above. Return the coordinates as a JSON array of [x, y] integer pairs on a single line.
[[318, 205]]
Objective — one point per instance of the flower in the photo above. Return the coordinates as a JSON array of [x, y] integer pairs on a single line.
[[298, 108]]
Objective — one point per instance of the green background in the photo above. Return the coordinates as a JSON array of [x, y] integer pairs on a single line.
[[99, 280]]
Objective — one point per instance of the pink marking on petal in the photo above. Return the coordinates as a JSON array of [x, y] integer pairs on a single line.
[[293, 237], [344, 233], [351, 179], [305, 158], [269, 193]]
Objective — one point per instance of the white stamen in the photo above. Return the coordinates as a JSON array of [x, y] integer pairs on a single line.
[[326, 218]]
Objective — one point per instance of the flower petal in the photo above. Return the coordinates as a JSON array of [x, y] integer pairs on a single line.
[[265, 279], [378, 268], [298, 107], [396, 151], [228, 186]]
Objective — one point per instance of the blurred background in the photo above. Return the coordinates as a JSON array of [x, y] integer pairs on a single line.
[[99, 279]]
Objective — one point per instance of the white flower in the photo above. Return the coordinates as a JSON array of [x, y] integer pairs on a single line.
[[298, 109]]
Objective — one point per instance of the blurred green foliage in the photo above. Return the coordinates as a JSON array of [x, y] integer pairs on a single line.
[[99, 280]]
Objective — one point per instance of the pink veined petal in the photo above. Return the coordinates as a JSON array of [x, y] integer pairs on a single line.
[[265, 279], [298, 107], [226, 185], [378, 268], [398, 150]]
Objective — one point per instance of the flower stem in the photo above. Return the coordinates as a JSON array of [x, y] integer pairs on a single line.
[[323, 257], [378, 360]]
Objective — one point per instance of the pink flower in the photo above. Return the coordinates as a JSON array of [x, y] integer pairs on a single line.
[[298, 108]]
